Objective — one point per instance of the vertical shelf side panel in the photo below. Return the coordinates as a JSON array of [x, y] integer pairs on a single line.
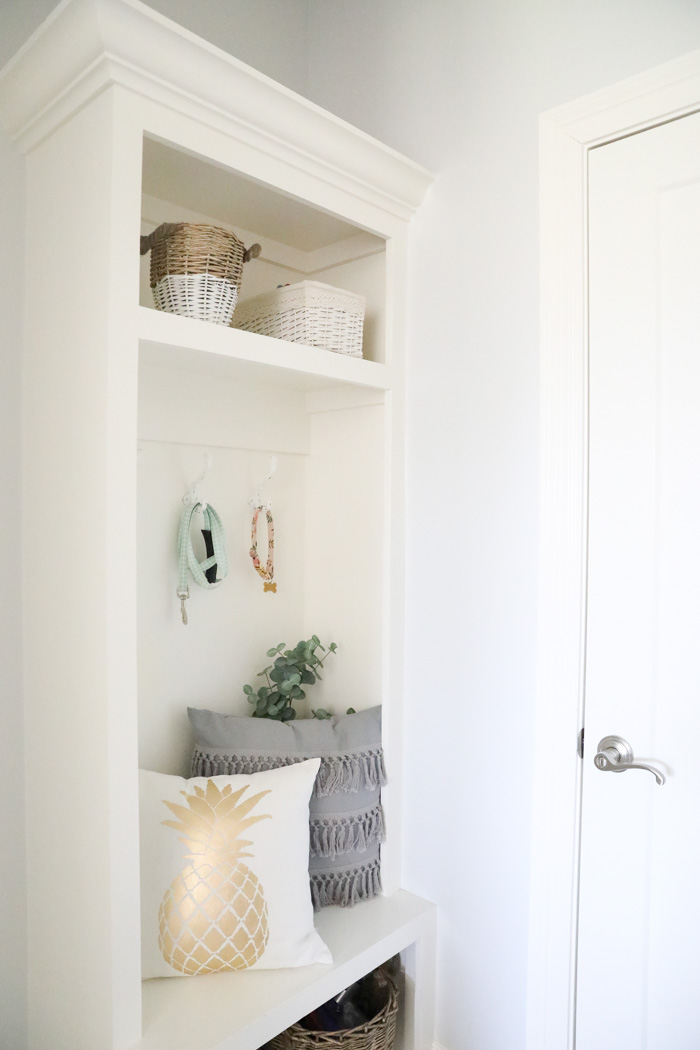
[[77, 407], [394, 542], [123, 566]]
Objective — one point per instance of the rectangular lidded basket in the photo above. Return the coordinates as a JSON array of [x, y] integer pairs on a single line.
[[308, 312]]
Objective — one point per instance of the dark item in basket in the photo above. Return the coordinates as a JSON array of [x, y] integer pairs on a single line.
[[375, 996], [340, 1012]]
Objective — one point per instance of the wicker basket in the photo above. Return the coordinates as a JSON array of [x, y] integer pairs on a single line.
[[308, 312], [377, 1034], [196, 270]]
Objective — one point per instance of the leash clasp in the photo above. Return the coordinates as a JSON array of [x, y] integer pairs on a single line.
[[183, 596]]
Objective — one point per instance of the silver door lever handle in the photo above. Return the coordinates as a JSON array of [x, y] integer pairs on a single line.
[[615, 755]]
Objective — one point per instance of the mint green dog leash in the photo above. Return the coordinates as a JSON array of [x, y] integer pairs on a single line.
[[187, 562]]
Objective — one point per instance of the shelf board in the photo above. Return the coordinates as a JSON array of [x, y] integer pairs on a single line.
[[242, 1010], [198, 346]]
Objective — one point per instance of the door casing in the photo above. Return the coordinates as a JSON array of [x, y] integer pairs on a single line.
[[567, 134]]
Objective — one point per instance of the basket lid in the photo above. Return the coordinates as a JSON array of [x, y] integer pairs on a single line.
[[303, 294]]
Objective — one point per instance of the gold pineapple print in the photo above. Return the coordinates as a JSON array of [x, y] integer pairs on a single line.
[[214, 914]]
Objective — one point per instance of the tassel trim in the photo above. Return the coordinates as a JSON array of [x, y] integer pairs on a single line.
[[346, 888], [351, 772], [331, 836]]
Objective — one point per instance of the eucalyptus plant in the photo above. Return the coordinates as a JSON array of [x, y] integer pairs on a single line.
[[291, 669]]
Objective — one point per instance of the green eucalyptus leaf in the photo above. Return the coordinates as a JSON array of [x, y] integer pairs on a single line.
[[351, 711], [291, 669]]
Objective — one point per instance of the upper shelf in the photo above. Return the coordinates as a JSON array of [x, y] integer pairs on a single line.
[[216, 350], [298, 240], [199, 190], [242, 1010]]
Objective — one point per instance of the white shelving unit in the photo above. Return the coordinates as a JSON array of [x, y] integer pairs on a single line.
[[126, 121]]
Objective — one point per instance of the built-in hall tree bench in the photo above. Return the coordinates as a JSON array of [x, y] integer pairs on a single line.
[[127, 121]]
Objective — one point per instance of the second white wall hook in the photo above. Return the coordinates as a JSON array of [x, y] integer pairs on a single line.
[[256, 501], [191, 496]]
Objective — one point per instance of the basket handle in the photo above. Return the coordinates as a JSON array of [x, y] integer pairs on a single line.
[[150, 240], [165, 229]]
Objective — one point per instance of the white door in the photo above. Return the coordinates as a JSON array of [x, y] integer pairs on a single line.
[[638, 978]]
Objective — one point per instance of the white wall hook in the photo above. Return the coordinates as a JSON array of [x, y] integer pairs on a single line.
[[257, 501], [191, 496]]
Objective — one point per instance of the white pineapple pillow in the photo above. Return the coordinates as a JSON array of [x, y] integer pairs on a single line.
[[225, 872]]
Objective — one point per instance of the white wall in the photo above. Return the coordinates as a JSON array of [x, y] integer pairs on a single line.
[[458, 85], [270, 35]]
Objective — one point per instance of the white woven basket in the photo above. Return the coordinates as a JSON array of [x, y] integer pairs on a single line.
[[199, 295], [308, 312]]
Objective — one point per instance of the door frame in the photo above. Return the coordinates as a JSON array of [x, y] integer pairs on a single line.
[[567, 134]]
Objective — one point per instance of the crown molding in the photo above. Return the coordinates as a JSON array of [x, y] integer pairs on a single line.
[[85, 46], [624, 108]]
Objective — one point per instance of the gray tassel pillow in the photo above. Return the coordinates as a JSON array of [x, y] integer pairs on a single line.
[[346, 819]]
